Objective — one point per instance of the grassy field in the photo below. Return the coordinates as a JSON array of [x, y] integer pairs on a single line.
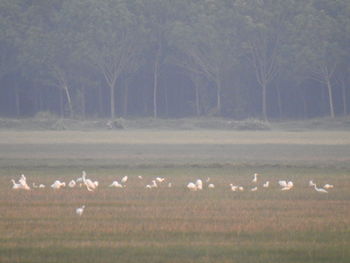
[[172, 224]]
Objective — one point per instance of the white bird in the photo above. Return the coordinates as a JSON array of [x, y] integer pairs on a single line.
[[320, 190], [23, 182], [90, 185], [286, 186], [266, 184], [170, 185], [282, 183], [211, 186], [80, 181], [192, 186], [233, 187], [72, 184], [140, 177], [160, 179], [116, 184], [199, 184], [153, 185], [254, 189], [124, 179], [80, 210], [16, 186], [328, 186], [23, 179], [241, 188], [38, 186], [255, 179], [58, 184]]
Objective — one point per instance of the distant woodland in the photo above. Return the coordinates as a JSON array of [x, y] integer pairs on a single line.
[[265, 59]]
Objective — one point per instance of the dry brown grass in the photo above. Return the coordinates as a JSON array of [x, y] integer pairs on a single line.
[[172, 224]]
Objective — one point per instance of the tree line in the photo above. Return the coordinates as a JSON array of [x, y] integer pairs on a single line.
[[268, 59]]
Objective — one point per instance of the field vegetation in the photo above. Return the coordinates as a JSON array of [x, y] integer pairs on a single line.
[[136, 224]]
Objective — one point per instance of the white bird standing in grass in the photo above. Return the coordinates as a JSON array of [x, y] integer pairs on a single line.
[[160, 179], [23, 182], [255, 179], [199, 184], [15, 186], [140, 177], [211, 186], [233, 187], [192, 186], [80, 181], [72, 184], [328, 186], [286, 186], [116, 184], [266, 184], [90, 185], [124, 179], [80, 210], [58, 184], [320, 190], [153, 185], [254, 189]]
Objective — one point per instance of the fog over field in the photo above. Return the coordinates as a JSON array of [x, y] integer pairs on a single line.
[[174, 131]]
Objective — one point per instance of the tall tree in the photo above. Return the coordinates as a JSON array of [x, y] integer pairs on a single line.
[[265, 32], [47, 49], [319, 52], [159, 16], [209, 44], [106, 34]]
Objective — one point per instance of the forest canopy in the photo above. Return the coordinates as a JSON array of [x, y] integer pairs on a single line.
[[268, 59]]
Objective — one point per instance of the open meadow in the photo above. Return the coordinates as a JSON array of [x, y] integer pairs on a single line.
[[136, 224]]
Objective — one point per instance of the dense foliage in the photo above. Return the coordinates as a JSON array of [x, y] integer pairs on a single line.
[[163, 58]]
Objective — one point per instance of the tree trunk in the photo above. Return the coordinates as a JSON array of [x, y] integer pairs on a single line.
[[344, 96], [155, 86], [126, 95], [100, 101], [305, 109], [218, 97], [330, 97], [60, 91], [263, 102], [17, 102], [65, 88], [112, 100], [196, 87], [166, 102], [83, 104], [279, 101]]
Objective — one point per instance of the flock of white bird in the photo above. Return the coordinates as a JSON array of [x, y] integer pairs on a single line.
[[157, 182]]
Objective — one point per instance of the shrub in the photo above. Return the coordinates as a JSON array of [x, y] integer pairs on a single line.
[[253, 124]]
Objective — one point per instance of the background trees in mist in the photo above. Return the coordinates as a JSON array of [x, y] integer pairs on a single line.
[[135, 58]]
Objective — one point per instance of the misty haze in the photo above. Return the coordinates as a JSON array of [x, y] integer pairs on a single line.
[[174, 131]]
